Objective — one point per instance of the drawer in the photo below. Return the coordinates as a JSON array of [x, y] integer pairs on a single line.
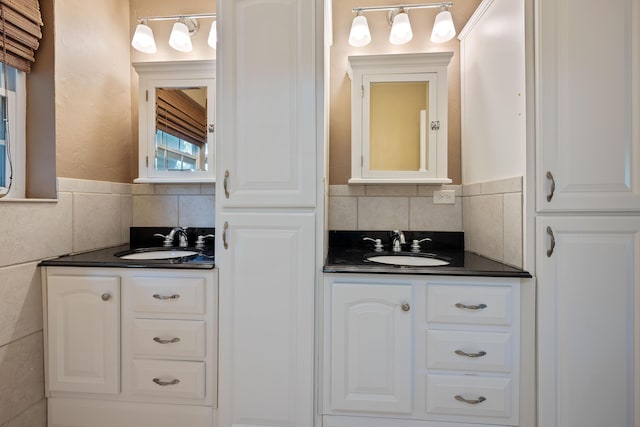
[[171, 295], [169, 338], [470, 351], [486, 396], [486, 305], [169, 378]]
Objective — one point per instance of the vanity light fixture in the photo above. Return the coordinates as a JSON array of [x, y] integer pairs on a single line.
[[185, 27], [398, 17]]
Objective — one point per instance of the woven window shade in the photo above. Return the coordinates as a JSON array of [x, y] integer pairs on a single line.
[[179, 115], [20, 32]]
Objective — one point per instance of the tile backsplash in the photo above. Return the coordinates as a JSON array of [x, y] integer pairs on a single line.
[[387, 207], [492, 219], [489, 213]]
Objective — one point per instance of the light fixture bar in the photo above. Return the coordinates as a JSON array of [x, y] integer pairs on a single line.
[[403, 6], [141, 19]]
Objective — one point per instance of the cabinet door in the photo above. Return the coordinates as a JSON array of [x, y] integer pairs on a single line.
[[588, 321], [266, 116], [83, 328], [588, 103], [371, 348], [266, 319]]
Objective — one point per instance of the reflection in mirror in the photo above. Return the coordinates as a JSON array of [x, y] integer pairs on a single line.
[[397, 133], [181, 129]]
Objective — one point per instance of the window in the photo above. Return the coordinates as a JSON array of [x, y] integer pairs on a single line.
[[12, 132]]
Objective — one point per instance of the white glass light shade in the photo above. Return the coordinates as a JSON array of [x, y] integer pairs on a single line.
[[359, 35], [180, 39], [213, 35], [401, 29], [443, 28], [143, 39]]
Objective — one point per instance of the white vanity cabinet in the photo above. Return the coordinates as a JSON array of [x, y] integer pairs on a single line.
[[84, 333], [371, 336], [130, 347], [420, 351]]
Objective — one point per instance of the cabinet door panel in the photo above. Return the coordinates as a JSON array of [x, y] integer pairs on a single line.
[[84, 333], [267, 319], [266, 126], [588, 105], [588, 328], [371, 348]]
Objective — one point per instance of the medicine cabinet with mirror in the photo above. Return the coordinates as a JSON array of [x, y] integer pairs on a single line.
[[176, 109], [399, 118]]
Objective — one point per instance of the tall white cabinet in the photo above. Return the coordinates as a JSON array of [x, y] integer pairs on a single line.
[[267, 209], [588, 212]]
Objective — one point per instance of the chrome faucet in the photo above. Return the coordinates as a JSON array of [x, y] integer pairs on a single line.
[[397, 240], [168, 239]]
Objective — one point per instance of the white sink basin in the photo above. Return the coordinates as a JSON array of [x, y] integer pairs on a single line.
[[158, 254], [415, 261]]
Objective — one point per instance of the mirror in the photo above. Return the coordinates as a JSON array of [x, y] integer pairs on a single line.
[[176, 122], [181, 129], [399, 118]]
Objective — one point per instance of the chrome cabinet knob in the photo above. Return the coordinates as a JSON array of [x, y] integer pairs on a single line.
[[106, 296], [406, 306]]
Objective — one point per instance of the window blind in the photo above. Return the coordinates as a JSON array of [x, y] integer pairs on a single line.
[[20, 32], [179, 115]]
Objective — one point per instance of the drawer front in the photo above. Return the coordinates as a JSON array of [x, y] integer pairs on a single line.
[[486, 305], [470, 351], [169, 338], [175, 295], [485, 396], [169, 378]]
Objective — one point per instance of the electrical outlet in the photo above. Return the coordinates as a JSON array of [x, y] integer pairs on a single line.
[[444, 197]]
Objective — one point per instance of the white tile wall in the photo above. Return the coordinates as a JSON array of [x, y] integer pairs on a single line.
[[489, 213], [388, 207], [492, 220]]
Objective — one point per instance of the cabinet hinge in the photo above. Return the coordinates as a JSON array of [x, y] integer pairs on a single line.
[[361, 161], [147, 160], [362, 91], [146, 95], [435, 125]]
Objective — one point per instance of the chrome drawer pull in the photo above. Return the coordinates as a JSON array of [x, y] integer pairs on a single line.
[[470, 401], [165, 383], [471, 307], [464, 353], [158, 296], [170, 341]]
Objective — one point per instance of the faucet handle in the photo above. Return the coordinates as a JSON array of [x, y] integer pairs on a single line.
[[377, 243], [168, 240], [201, 238], [415, 245]]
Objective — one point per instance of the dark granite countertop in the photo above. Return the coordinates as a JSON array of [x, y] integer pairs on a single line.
[[348, 252], [107, 258], [142, 240]]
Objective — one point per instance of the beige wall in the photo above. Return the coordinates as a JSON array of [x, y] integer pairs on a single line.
[[93, 90], [340, 92]]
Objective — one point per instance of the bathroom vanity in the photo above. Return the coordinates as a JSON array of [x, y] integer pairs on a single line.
[[130, 342], [419, 346]]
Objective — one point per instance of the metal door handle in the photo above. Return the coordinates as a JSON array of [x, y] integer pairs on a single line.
[[225, 184], [465, 354], [553, 242], [224, 235], [470, 401], [553, 186], [169, 341], [165, 383], [163, 297], [471, 307]]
